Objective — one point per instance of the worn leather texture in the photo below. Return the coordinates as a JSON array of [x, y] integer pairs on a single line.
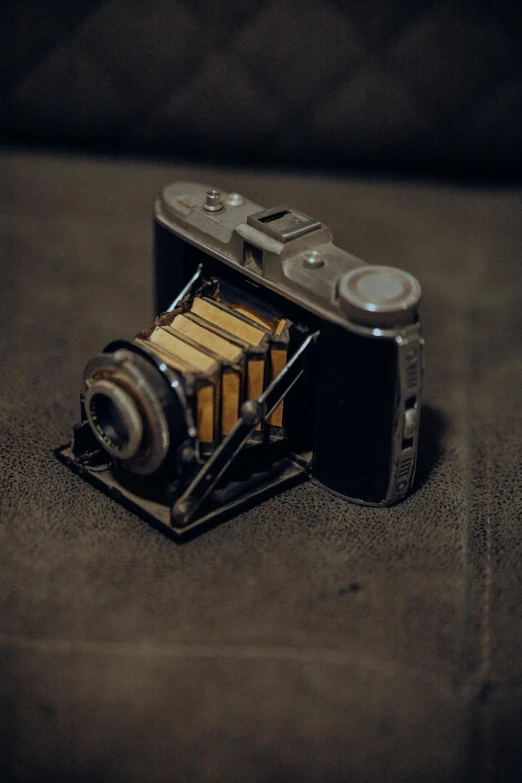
[[308, 639], [413, 85]]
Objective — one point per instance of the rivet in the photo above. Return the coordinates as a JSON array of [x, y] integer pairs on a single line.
[[234, 200], [313, 261]]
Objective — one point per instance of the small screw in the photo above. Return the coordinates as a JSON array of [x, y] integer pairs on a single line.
[[213, 202], [313, 261], [187, 454], [234, 200]]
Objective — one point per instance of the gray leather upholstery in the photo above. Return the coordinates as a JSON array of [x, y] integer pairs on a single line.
[[309, 639], [417, 85]]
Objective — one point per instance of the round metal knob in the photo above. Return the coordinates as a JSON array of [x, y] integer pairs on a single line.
[[213, 201], [379, 296]]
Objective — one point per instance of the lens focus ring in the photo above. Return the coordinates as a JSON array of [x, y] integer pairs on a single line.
[[114, 418]]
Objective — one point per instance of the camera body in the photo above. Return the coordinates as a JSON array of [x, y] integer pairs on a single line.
[[328, 388]]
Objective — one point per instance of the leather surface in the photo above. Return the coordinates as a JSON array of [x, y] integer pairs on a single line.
[[308, 639], [415, 84]]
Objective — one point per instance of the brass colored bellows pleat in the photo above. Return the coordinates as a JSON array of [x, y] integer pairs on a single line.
[[229, 353]]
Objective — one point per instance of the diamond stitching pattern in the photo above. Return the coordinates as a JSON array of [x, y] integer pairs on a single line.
[[302, 81]]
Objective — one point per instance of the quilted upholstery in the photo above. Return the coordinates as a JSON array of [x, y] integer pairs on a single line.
[[418, 85]]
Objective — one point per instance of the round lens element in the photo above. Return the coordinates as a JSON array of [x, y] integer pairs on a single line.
[[132, 409], [380, 296], [114, 418]]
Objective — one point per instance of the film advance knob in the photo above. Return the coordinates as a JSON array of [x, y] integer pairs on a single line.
[[380, 296]]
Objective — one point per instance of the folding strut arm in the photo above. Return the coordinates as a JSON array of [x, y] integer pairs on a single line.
[[253, 412]]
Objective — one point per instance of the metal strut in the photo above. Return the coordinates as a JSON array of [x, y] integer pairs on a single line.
[[186, 290], [253, 412]]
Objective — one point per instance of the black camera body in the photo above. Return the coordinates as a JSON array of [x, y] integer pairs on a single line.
[[277, 357]]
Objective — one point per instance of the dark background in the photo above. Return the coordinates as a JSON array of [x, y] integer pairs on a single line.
[[309, 639], [430, 87]]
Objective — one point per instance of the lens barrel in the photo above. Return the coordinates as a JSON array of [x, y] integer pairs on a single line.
[[133, 412], [115, 418]]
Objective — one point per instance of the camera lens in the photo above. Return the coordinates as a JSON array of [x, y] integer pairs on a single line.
[[132, 409], [114, 418], [110, 420]]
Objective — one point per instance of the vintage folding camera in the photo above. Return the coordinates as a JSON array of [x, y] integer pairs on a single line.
[[275, 357]]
